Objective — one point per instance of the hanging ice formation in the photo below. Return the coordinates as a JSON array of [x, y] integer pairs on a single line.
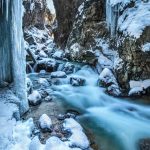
[[12, 54], [112, 14]]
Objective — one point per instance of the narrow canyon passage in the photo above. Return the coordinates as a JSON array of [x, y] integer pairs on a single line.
[[114, 123], [74, 75]]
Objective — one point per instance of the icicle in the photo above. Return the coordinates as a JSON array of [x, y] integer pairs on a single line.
[[7, 8], [112, 14]]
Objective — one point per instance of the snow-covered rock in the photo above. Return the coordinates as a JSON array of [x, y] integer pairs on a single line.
[[45, 122], [77, 81], [108, 80], [43, 82], [58, 74], [48, 98], [106, 77], [35, 98], [54, 143], [47, 64], [43, 54], [136, 91], [78, 137], [139, 87], [135, 19], [58, 54], [68, 68], [146, 47]]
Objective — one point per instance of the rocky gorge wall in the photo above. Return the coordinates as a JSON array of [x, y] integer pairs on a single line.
[[104, 33], [65, 11], [36, 13], [112, 31]]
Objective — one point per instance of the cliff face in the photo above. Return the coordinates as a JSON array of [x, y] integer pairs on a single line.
[[109, 33], [36, 13], [65, 11]]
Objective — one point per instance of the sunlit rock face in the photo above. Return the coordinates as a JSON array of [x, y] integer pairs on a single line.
[[12, 54], [37, 13], [65, 13]]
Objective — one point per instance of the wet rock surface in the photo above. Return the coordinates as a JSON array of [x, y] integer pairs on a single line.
[[144, 144]]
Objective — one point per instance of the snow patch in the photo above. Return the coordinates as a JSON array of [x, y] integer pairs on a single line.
[[146, 47], [78, 138], [138, 87], [21, 135], [134, 20]]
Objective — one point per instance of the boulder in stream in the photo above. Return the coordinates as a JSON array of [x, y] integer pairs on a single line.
[[58, 74], [77, 81], [35, 98], [45, 123]]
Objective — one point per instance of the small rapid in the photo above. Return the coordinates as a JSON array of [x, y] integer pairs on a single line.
[[117, 124]]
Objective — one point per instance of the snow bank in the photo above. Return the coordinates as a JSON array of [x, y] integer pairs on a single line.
[[7, 123], [132, 22], [36, 144], [138, 87], [78, 138], [54, 143], [21, 135]]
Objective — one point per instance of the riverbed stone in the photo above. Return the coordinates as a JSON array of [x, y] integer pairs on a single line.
[[77, 81], [35, 98], [45, 123], [58, 74]]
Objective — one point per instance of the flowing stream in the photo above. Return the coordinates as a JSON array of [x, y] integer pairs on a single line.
[[117, 124]]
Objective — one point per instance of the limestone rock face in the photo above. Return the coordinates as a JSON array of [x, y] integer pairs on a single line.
[[65, 12], [36, 13], [87, 25], [103, 34], [136, 62]]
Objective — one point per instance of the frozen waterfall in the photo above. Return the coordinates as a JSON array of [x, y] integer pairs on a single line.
[[12, 54]]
